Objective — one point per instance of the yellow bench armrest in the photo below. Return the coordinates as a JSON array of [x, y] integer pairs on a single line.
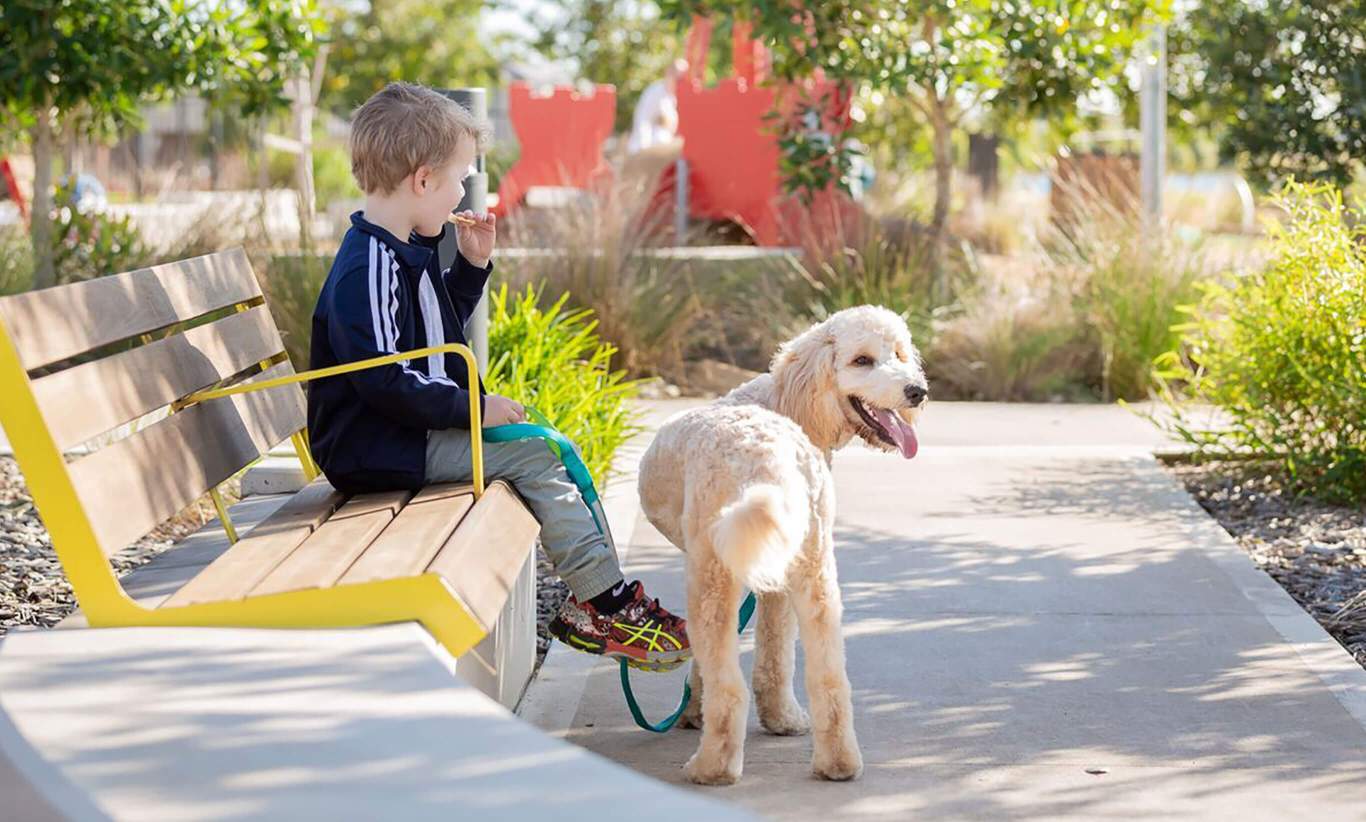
[[476, 422]]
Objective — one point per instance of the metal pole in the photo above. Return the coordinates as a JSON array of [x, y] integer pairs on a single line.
[[681, 201], [1153, 119], [476, 200]]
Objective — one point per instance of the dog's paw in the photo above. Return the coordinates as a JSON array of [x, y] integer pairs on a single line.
[[790, 720], [839, 763], [705, 770]]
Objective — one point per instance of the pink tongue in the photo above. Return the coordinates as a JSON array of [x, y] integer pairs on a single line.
[[901, 432]]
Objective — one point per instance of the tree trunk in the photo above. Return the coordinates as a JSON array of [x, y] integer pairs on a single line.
[[984, 162], [943, 192], [40, 221], [215, 147], [303, 163], [263, 179]]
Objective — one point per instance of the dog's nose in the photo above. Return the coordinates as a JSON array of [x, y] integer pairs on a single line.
[[916, 393]]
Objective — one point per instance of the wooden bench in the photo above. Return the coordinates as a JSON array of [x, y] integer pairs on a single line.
[[195, 338]]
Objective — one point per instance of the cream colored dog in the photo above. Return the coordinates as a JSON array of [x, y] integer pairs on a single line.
[[743, 487]]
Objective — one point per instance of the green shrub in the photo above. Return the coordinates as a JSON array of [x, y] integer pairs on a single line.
[[498, 161], [90, 244], [1130, 283], [332, 178], [292, 283], [280, 168], [1015, 336], [873, 263], [874, 267], [16, 261], [742, 315], [599, 252], [551, 358], [1281, 352], [1082, 315]]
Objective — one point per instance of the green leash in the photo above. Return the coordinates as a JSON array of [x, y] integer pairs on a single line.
[[564, 450], [746, 611]]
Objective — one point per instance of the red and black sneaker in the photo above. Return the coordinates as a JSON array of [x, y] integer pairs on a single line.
[[642, 632]]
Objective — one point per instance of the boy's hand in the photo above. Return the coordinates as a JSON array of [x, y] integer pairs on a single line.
[[476, 240], [501, 411]]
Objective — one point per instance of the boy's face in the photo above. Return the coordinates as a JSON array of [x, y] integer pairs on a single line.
[[440, 190]]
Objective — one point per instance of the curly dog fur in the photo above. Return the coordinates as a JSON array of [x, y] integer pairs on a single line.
[[743, 487]]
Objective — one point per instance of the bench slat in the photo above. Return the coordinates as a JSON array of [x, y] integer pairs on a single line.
[[443, 490], [131, 486], [411, 541], [326, 555], [482, 559], [89, 399], [241, 567], [53, 324]]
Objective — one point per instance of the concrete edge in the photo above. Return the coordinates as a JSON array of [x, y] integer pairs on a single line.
[[1317, 650], [51, 794], [274, 475]]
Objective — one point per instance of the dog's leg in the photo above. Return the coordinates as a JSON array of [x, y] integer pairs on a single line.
[[692, 715], [817, 600], [775, 660], [713, 597]]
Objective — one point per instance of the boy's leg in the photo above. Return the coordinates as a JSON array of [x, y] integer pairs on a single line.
[[579, 553], [605, 615]]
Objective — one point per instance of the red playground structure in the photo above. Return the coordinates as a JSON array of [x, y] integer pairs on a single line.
[[729, 143], [12, 189], [732, 150], [561, 136]]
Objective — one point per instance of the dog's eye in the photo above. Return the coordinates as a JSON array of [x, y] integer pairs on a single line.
[[863, 359]]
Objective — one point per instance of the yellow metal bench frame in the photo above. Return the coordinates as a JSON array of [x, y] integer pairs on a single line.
[[425, 598]]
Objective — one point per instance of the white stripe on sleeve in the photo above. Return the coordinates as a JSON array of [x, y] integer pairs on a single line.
[[375, 317]]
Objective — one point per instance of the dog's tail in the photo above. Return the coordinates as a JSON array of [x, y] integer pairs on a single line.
[[757, 537]]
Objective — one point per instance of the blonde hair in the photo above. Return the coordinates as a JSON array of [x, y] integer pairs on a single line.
[[405, 126]]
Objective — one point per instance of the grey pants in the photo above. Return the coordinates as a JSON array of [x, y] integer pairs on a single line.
[[580, 555]]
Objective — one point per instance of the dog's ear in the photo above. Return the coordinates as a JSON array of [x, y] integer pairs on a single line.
[[804, 385]]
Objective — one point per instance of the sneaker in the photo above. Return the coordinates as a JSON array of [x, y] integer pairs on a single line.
[[642, 632]]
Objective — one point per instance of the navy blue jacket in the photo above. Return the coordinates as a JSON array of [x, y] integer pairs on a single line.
[[368, 429]]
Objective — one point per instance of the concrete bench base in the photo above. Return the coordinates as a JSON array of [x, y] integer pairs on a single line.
[[218, 723]]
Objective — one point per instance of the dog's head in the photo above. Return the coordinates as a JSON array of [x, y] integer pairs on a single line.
[[855, 374]]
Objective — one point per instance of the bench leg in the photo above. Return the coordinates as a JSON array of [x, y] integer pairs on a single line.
[[500, 665]]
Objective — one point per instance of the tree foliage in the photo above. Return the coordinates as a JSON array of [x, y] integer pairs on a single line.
[[89, 64], [1282, 80], [95, 62], [948, 58], [622, 43], [433, 42]]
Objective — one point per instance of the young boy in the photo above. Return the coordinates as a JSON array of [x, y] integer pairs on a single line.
[[404, 425]]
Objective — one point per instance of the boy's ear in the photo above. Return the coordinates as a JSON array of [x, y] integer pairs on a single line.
[[422, 179]]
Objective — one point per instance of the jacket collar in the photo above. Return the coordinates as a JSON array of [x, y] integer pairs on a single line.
[[412, 256]]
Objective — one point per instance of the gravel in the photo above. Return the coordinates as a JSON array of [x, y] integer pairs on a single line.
[[551, 592], [33, 590], [1315, 550]]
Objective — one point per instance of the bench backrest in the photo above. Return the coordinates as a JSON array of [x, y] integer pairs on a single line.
[[80, 361]]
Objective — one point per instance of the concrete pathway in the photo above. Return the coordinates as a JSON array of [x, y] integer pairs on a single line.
[[1041, 624]]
